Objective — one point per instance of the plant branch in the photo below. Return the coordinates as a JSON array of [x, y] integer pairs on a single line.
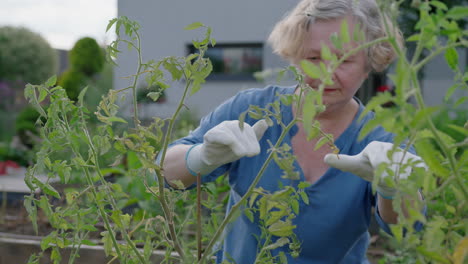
[[431, 56], [199, 224], [247, 194], [443, 146], [135, 80]]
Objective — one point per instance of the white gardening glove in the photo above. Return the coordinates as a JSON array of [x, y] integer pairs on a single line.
[[365, 163], [225, 143]]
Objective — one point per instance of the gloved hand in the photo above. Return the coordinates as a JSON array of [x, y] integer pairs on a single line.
[[225, 143], [365, 163]]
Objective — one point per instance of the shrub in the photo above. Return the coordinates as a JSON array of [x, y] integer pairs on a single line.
[[87, 57], [72, 81], [25, 56]]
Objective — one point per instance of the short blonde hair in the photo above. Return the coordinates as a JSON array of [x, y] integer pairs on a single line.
[[288, 34]]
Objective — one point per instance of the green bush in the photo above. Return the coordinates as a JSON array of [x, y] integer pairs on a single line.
[[87, 57], [72, 81], [25, 56]]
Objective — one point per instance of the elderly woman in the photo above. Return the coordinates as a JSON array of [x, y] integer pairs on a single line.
[[332, 228]]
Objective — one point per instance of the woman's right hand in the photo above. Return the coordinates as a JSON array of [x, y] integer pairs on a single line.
[[225, 143]]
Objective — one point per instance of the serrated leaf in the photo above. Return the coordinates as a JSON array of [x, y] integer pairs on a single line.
[[32, 210], [116, 119], [281, 229], [431, 157], [458, 12], [51, 81], [81, 95], [295, 206], [439, 5], [279, 243], [325, 52], [303, 185], [413, 38], [312, 70], [111, 23], [322, 141], [451, 56], [432, 255], [42, 95], [450, 91], [194, 25], [461, 251], [304, 197], [459, 129], [47, 188], [344, 32]]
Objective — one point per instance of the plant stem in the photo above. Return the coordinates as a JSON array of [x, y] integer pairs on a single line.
[[247, 194], [103, 213], [167, 137], [108, 192], [262, 251], [199, 225], [135, 79], [443, 146], [431, 56]]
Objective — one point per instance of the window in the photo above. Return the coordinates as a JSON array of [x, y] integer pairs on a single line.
[[232, 61]]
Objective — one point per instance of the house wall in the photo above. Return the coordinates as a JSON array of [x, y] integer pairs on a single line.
[[162, 30], [438, 77]]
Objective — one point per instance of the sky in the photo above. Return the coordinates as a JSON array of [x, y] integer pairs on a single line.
[[61, 22]]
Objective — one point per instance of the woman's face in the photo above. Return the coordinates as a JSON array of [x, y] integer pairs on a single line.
[[349, 76]]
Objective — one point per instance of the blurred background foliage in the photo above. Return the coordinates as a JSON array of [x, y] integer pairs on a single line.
[[26, 57]]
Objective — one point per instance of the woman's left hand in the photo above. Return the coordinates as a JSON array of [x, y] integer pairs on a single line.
[[366, 163]]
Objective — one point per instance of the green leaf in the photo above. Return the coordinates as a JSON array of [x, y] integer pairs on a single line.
[[107, 241], [46, 188], [117, 119], [81, 95], [32, 210], [111, 23], [431, 157], [320, 142], [451, 56], [459, 129], [439, 5], [304, 197], [303, 185], [312, 70], [450, 91], [51, 81], [295, 206], [413, 38], [194, 25], [461, 251], [281, 229], [397, 232], [344, 32], [433, 255], [325, 52], [42, 95], [55, 255], [274, 217], [279, 243], [242, 120], [248, 213], [458, 12]]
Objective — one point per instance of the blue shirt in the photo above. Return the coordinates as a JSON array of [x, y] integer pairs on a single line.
[[333, 227]]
